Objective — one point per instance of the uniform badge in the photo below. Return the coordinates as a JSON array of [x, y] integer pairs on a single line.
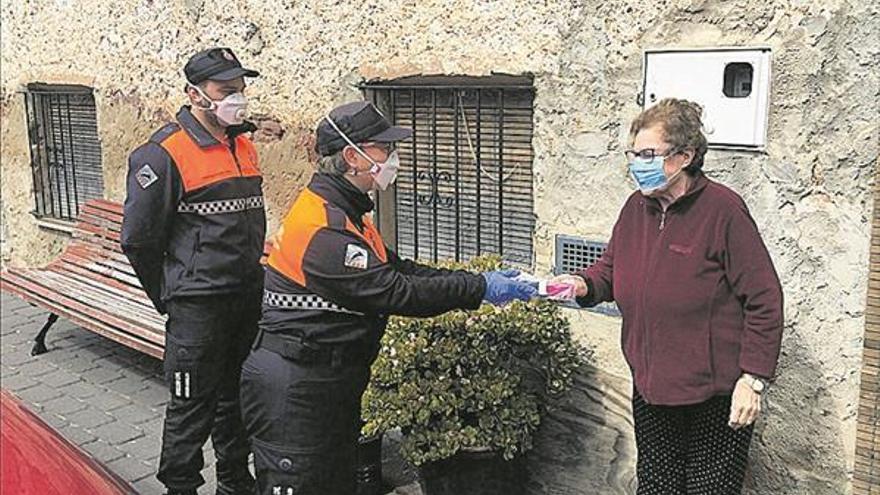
[[146, 177], [356, 257]]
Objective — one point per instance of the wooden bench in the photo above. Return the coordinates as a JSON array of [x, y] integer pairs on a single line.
[[93, 285]]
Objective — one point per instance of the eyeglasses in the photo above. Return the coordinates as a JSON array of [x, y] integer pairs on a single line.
[[647, 154], [387, 148]]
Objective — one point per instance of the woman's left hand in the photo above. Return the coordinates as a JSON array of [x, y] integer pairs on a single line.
[[745, 405]]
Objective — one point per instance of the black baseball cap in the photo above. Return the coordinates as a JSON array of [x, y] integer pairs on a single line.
[[362, 122], [218, 64]]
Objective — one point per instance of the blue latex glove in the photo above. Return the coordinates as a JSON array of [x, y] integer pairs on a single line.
[[502, 289]]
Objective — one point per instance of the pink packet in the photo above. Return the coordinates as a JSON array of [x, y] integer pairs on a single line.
[[556, 291]]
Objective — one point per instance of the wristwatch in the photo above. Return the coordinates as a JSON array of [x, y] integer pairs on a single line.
[[759, 385]]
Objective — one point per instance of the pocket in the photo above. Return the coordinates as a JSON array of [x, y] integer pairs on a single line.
[[291, 471], [189, 370], [327, 412]]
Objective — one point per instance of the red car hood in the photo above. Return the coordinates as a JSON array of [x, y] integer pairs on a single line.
[[37, 460]]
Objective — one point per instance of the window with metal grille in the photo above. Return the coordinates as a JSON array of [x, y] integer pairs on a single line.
[[65, 150], [465, 184], [574, 254]]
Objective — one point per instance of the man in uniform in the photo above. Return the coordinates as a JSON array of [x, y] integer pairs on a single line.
[[330, 286], [194, 230]]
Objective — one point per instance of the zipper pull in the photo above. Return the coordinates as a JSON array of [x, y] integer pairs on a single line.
[[662, 220]]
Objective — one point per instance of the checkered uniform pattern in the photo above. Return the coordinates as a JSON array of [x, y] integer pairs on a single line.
[[311, 302], [221, 206]]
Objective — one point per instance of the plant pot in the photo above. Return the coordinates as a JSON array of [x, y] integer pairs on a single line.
[[369, 466], [477, 472]]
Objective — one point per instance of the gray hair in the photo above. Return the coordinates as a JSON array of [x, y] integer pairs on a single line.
[[333, 164]]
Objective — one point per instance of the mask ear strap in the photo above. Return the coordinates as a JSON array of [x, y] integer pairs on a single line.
[[203, 95], [351, 143]]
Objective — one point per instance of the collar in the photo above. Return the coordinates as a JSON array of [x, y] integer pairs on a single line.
[[200, 135], [343, 194], [700, 182]]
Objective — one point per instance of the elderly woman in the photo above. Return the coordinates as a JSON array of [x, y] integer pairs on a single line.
[[701, 306]]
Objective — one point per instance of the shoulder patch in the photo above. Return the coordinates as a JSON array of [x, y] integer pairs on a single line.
[[356, 257], [163, 133], [146, 177]]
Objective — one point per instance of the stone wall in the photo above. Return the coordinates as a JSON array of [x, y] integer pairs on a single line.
[[809, 193]]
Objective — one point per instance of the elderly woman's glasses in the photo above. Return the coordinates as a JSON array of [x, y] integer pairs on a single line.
[[388, 148], [647, 154]]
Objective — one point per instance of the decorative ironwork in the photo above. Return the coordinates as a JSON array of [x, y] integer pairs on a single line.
[[434, 197]]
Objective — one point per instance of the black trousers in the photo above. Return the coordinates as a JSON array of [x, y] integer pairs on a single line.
[[304, 423], [206, 340], [689, 450]]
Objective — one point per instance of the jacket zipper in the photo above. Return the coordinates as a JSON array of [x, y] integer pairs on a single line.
[[652, 263], [235, 157], [247, 218]]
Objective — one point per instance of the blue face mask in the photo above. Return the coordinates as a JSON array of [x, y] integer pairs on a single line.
[[648, 174]]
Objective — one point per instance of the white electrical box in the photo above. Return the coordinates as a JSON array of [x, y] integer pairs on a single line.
[[732, 85]]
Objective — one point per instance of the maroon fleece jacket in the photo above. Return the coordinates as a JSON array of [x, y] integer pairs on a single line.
[[700, 300]]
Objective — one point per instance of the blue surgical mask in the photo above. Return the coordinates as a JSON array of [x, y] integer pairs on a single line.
[[648, 174]]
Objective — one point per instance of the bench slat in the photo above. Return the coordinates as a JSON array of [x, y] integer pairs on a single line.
[[28, 281], [155, 349], [106, 205], [124, 294], [123, 308], [102, 262], [87, 231], [133, 291]]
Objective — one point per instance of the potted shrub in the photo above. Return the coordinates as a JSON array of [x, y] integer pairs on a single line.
[[468, 390]]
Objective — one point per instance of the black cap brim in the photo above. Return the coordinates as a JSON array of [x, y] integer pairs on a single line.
[[233, 73], [392, 134]]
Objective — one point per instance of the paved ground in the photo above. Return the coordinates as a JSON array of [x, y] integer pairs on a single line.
[[100, 395]]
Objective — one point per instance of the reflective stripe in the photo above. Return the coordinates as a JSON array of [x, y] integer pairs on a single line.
[[311, 302], [221, 206]]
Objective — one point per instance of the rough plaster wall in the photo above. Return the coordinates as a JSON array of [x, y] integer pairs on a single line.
[[809, 194], [23, 241]]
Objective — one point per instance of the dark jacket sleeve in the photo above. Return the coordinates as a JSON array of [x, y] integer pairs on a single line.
[[380, 288], [754, 281], [154, 189], [409, 267]]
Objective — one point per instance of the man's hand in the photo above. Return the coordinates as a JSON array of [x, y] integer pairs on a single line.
[[580, 285], [745, 405]]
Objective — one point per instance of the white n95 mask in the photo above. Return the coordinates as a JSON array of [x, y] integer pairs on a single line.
[[231, 110], [385, 174]]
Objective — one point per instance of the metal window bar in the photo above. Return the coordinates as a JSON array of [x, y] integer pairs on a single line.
[[64, 149], [434, 177], [461, 133]]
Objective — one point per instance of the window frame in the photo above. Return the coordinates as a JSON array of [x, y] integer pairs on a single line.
[[513, 237], [65, 149]]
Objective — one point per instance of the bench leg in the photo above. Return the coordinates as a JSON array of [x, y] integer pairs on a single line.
[[40, 340]]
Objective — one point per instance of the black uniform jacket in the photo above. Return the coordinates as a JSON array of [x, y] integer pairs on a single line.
[[194, 222], [332, 280]]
